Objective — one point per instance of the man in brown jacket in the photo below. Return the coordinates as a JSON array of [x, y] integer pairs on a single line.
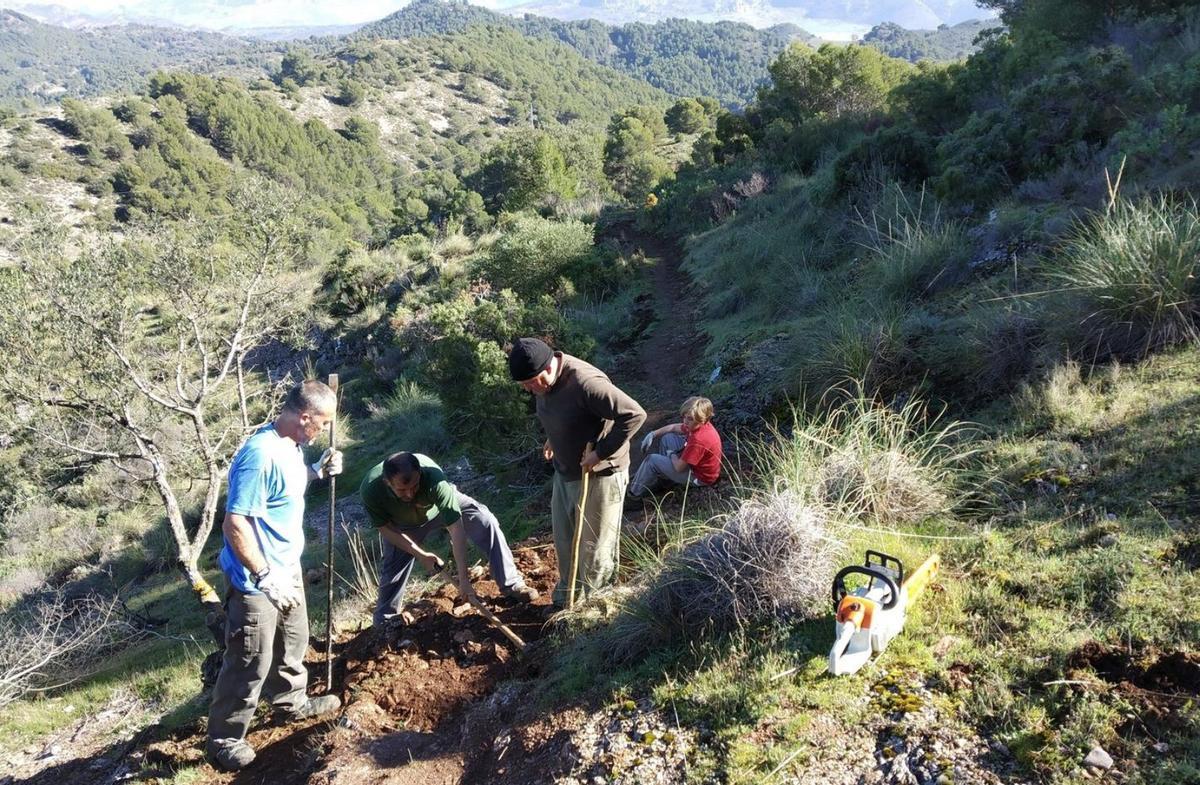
[[588, 423]]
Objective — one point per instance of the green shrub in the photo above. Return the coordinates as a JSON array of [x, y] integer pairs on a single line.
[[905, 152], [462, 343], [10, 177], [1131, 276], [686, 116], [916, 256], [522, 171], [357, 279], [533, 253]]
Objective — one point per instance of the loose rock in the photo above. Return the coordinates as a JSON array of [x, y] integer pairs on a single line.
[[1098, 759]]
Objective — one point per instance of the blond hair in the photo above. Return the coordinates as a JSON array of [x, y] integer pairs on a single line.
[[698, 408]]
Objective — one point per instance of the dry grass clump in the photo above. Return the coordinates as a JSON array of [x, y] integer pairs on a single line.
[[887, 486], [774, 557], [889, 465]]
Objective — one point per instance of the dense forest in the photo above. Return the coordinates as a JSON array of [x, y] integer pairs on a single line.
[[725, 60], [942, 44]]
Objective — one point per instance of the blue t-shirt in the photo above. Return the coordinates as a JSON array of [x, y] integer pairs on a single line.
[[267, 480]]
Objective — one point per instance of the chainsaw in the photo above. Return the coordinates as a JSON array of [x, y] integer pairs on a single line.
[[870, 616]]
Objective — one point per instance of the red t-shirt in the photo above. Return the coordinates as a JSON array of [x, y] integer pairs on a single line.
[[703, 453]]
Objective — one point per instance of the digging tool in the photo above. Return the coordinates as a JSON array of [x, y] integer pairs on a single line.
[[333, 385], [578, 535], [495, 622], [486, 613], [869, 617]]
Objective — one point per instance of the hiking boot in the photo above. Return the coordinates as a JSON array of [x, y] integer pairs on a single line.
[[522, 591], [229, 756], [314, 707]]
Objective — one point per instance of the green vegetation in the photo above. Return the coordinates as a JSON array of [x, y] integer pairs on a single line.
[[725, 60], [43, 63], [547, 76], [885, 270], [876, 253], [945, 43]]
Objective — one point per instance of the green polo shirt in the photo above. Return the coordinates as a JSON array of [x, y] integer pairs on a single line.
[[436, 499]]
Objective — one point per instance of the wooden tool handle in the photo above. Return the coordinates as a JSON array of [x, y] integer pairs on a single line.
[[333, 385]]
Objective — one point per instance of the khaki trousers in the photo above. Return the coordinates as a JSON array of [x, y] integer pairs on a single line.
[[601, 538], [264, 655]]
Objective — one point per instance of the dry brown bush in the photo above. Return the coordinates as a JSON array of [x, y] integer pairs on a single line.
[[772, 558], [886, 486]]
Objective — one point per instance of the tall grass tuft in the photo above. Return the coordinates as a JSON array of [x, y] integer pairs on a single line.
[[365, 554], [862, 347], [916, 252], [869, 462], [1132, 273]]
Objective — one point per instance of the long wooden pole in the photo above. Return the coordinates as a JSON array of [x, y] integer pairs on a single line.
[[579, 521], [333, 385]]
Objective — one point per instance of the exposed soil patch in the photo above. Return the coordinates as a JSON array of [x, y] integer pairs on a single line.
[[407, 692], [1159, 684], [1185, 550], [1173, 673], [405, 696]]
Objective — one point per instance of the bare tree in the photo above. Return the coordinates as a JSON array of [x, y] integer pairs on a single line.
[[53, 641], [134, 352]]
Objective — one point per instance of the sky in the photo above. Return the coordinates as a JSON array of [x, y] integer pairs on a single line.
[[219, 14]]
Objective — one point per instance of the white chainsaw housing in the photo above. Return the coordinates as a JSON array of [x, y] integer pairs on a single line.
[[853, 645]]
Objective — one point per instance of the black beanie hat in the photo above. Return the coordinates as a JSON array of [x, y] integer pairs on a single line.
[[527, 358]]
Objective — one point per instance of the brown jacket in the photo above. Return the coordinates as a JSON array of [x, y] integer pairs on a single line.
[[585, 406]]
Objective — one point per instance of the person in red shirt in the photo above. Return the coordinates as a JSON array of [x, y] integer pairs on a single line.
[[688, 451]]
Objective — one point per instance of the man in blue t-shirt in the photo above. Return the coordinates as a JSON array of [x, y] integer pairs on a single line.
[[266, 630]]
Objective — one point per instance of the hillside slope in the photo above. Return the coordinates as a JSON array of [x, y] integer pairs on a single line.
[[43, 62]]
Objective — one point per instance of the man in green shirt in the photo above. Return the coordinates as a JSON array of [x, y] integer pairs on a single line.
[[408, 497]]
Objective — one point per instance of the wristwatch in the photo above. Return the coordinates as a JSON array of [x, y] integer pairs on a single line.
[[259, 576]]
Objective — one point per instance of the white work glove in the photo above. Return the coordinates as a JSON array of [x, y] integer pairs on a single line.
[[329, 465], [647, 442], [281, 589]]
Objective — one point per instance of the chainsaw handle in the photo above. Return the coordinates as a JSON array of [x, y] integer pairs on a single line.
[[839, 584]]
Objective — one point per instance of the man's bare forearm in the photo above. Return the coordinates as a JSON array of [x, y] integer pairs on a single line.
[[458, 546], [239, 533], [403, 542]]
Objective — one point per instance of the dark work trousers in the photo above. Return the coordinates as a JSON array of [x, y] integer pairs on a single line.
[[481, 528], [264, 655]]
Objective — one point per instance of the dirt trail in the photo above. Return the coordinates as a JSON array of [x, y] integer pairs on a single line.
[[659, 368], [405, 695]]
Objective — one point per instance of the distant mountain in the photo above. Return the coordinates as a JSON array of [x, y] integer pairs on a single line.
[[212, 15], [944, 43], [834, 18], [286, 33], [725, 60], [43, 62], [63, 16]]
